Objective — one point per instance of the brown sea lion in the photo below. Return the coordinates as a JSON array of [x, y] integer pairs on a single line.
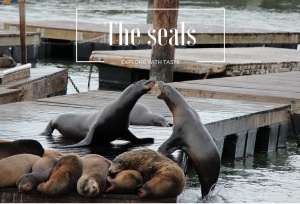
[[52, 153], [125, 182], [21, 147], [141, 115], [94, 173], [191, 136], [106, 126], [6, 61], [64, 176], [11, 168], [2, 141], [162, 177], [40, 173]]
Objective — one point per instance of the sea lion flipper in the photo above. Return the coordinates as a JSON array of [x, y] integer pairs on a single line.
[[171, 144], [48, 130], [86, 141], [129, 136]]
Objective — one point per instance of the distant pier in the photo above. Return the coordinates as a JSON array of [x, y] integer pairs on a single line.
[[58, 37]]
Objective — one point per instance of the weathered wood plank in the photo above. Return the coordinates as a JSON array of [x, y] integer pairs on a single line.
[[11, 195], [246, 88], [239, 61], [12, 38]]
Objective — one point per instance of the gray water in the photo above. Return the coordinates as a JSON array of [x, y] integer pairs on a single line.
[[272, 177]]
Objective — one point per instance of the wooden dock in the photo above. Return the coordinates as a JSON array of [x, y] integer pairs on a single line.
[[27, 83], [10, 44], [135, 64], [270, 88], [58, 37], [239, 129], [65, 30]]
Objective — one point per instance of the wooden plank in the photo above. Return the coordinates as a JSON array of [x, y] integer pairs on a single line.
[[245, 88], [12, 38], [205, 34], [11, 195], [239, 61]]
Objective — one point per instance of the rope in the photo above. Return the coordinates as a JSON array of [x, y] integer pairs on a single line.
[[90, 73], [75, 87]]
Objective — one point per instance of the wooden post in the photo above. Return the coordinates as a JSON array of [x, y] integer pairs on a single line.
[[23, 32], [166, 19], [150, 11]]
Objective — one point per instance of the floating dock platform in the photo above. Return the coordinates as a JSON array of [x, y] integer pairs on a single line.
[[23, 83], [239, 129], [131, 66], [267, 88], [10, 44], [58, 37]]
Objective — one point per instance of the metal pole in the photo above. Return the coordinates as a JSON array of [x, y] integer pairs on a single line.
[[23, 32]]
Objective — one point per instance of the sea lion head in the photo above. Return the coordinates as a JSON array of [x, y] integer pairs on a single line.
[[6, 62], [88, 187], [25, 183], [125, 182], [143, 86], [116, 166], [165, 90], [160, 121]]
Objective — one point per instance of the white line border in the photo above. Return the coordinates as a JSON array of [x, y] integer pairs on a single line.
[[220, 9]]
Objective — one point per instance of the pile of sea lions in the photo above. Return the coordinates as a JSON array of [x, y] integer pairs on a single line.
[[145, 172]]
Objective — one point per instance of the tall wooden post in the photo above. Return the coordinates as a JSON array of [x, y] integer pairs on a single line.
[[23, 45], [166, 19]]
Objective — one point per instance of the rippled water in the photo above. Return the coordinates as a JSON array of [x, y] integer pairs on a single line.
[[272, 177]]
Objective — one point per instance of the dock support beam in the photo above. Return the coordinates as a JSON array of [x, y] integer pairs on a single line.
[[23, 31], [267, 138], [165, 20]]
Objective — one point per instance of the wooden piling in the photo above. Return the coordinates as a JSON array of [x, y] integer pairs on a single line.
[[167, 19], [23, 31]]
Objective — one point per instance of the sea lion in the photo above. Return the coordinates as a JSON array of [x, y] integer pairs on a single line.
[[11, 168], [106, 126], [64, 176], [125, 182], [52, 153], [20, 147], [6, 61], [141, 115], [40, 173], [94, 173], [162, 177], [191, 136], [3, 141]]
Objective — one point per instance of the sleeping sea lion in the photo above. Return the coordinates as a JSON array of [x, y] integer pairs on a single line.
[[162, 177], [11, 168], [94, 173], [20, 147], [64, 176], [40, 173], [125, 182]]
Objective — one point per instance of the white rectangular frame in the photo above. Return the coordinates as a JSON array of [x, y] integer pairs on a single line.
[[221, 9]]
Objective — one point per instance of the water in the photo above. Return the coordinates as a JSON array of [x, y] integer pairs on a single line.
[[272, 177]]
